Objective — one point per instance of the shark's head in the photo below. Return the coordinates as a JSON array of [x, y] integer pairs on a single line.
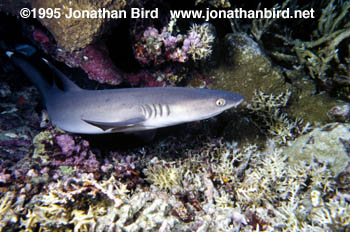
[[205, 103]]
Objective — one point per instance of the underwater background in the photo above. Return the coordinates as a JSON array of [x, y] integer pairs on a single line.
[[278, 162]]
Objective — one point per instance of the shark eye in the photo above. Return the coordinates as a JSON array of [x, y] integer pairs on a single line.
[[220, 102]]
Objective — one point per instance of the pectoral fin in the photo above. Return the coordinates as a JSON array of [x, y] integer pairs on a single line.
[[115, 126]]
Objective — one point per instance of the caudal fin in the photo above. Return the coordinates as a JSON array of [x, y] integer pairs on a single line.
[[21, 59]]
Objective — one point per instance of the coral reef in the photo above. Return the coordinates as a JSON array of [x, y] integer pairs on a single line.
[[318, 54], [201, 184], [156, 48], [310, 106], [93, 59], [11, 206], [312, 61], [270, 111], [63, 150], [289, 174], [324, 54], [163, 174]]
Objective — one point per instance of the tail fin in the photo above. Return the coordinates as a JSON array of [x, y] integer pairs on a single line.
[[21, 61], [26, 59], [25, 49]]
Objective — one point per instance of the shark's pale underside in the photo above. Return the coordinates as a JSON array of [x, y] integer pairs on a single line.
[[83, 111]]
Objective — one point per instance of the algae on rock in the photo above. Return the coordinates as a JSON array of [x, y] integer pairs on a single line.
[[247, 69], [324, 144]]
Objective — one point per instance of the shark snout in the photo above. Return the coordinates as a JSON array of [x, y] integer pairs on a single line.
[[233, 99]]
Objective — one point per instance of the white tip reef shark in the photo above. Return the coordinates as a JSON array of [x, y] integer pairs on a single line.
[[82, 111]]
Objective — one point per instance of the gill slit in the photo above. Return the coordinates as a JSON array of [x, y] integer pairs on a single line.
[[155, 110]]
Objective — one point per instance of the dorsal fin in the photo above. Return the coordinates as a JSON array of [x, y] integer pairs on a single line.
[[68, 85]]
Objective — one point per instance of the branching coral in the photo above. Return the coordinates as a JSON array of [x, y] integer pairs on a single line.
[[11, 206], [272, 179], [5, 209], [324, 56], [261, 189], [56, 209], [259, 26], [269, 108], [110, 208], [198, 42], [335, 214], [164, 175], [220, 186]]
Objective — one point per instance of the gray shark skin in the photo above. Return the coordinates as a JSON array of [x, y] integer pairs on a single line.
[[82, 111]]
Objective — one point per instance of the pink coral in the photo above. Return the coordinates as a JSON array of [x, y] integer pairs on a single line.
[[76, 152], [143, 78], [66, 143], [40, 36], [94, 59], [97, 64]]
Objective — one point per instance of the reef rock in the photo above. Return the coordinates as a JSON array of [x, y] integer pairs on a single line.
[[311, 107], [70, 33], [329, 143], [247, 69]]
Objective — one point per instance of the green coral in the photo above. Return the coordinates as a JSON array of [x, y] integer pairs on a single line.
[[40, 147], [67, 170]]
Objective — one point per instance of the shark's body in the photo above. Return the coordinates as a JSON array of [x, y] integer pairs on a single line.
[[123, 110]]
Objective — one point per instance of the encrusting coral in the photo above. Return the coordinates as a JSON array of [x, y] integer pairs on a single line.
[[328, 143]]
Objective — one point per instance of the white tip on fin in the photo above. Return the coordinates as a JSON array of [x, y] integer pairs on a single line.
[[45, 60], [9, 54]]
